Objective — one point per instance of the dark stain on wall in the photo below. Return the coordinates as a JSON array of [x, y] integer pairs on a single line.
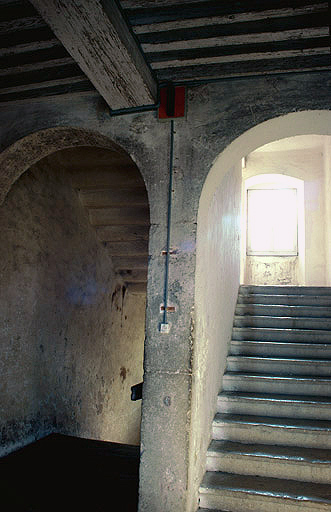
[[123, 372]]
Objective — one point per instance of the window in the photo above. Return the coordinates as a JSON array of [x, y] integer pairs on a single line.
[[272, 222]]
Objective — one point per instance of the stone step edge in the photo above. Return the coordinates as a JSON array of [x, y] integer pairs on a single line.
[[317, 379], [279, 453], [290, 423], [262, 489], [274, 398], [273, 359], [284, 289], [283, 317]]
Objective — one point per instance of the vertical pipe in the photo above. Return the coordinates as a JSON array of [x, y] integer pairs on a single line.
[[166, 273]]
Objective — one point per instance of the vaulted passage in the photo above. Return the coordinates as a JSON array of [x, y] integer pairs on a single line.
[[74, 242]]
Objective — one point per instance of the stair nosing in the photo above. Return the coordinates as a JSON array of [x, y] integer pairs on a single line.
[[274, 397], [278, 359], [245, 419], [285, 453], [208, 487], [317, 378]]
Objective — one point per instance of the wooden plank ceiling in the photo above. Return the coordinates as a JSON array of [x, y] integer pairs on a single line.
[[33, 62], [199, 40], [185, 41]]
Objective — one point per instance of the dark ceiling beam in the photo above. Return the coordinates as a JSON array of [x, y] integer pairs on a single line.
[[241, 17], [236, 39], [29, 23], [38, 56], [29, 47], [156, 12], [37, 66], [97, 37], [273, 25], [242, 69], [78, 85], [237, 49]]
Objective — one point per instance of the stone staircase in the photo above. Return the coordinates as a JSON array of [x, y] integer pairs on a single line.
[[271, 441]]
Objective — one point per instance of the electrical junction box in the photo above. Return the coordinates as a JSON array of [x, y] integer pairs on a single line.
[[172, 102], [165, 328]]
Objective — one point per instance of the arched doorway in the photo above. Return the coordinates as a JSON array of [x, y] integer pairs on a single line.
[[218, 267], [74, 237]]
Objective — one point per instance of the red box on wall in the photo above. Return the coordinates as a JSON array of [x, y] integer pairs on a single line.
[[172, 102]]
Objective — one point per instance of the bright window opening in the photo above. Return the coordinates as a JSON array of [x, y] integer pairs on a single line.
[[272, 222]]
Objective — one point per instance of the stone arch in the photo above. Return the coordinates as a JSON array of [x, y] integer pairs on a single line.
[[25, 152], [213, 328]]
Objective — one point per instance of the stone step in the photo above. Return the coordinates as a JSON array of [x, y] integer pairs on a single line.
[[288, 462], [279, 384], [283, 310], [266, 430], [270, 334], [281, 348], [284, 290], [237, 493], [279, 365], [281, 322], [290, 300], [282, 406]]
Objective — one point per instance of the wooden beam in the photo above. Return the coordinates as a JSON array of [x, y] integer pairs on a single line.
[[243, 57], [241, 39], [134, 4], [25, 37], [32, 22], [60, 82], [37, 66], [155, 12], [33, 57], [274, 25], [63, 71], [238, 49], [97, 37], [230, 19], [249, 68], [77, 87], [29, 47]]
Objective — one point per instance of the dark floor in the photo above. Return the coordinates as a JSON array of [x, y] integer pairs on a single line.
[[62, 473]]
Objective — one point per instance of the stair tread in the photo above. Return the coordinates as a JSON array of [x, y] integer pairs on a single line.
[[286, 453], [258, 375], [274, 330], [279, 359], [290, 489], [323, 425], [286, 307], [282, 343], [282, 317], [284, 289], [276, 397]]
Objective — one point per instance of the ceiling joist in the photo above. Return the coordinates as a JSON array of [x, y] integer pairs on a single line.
[[97, 37]]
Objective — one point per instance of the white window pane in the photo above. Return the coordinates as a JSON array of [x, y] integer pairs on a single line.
[[272, 221]]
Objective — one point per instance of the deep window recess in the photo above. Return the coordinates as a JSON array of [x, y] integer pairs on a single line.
[[272, 222]]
